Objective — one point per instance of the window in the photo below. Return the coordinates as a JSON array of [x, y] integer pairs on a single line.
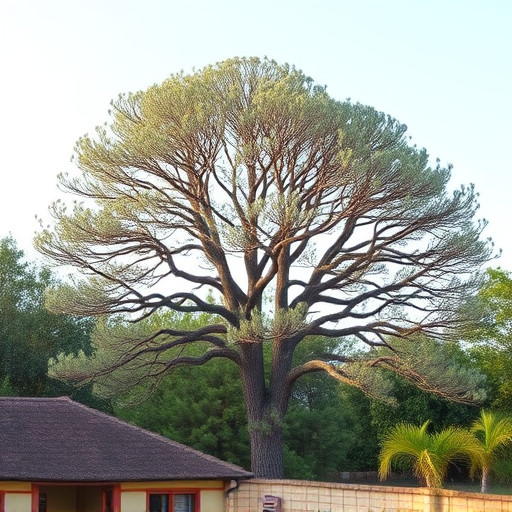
[[172, 502], [158, 503], [184, 502]]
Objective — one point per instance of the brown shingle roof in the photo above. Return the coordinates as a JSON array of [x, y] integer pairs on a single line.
[[57, 439]]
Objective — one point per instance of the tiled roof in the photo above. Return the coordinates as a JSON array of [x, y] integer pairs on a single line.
[[57, 439]]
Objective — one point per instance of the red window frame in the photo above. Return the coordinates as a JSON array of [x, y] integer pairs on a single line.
[[171, 493]]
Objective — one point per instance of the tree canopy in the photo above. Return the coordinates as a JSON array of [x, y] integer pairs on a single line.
[[490, 336], [302, 217]]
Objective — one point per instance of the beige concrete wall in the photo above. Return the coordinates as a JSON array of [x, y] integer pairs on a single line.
[[302, 496]]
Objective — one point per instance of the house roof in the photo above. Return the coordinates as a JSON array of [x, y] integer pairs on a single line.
[[57, 439]]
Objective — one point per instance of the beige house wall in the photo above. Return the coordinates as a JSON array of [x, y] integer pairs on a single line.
[[15, 486], [17, 496], [16, 502], [211, 494], [213, 501], [133, 501], [60, 499], [174, 484], [302, 496], [88, 500]]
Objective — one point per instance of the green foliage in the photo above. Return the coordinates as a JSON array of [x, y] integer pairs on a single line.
[[438, 367], [450, 367], [490, 337], [502, 467], [429, 455], [414, 405], [494, 300], [326, 431], [29, 334], [493, 434], [324, 428], [6, 389], [446, 365], [200, 407], [483, 447]]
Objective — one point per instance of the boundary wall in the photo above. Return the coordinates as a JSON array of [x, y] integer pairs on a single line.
[[305, 496]]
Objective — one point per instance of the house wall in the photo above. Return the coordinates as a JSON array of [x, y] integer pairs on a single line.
[[17, 502], [133, 501], [15, 486], [213, 501], [88, 499], [60, 499], [211, 494], [18, 496], [301, 496]]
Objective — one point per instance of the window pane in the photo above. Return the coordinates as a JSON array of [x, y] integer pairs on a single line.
[[158, 503], [184, 502]]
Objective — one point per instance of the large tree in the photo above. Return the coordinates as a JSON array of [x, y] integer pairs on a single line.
[[303, 216]]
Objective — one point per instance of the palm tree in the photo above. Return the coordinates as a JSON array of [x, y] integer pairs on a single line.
[[492, 434], [429, 454]]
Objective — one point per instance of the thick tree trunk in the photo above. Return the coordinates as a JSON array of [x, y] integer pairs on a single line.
[[265, 413], [267, 451]]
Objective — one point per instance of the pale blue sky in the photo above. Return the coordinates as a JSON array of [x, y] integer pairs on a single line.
[[444, 68]]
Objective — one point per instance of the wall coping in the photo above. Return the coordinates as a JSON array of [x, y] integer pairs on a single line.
[[380, 488]]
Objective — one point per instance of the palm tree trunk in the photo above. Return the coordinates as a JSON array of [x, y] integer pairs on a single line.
[[485, 480]]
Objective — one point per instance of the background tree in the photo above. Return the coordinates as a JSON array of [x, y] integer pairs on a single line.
[[200, 407], [490, 337], [326, 431], [304, 216], [29, 334], [415, 405]]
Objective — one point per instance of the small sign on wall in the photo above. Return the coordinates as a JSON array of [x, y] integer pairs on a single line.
[[272, 503]]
